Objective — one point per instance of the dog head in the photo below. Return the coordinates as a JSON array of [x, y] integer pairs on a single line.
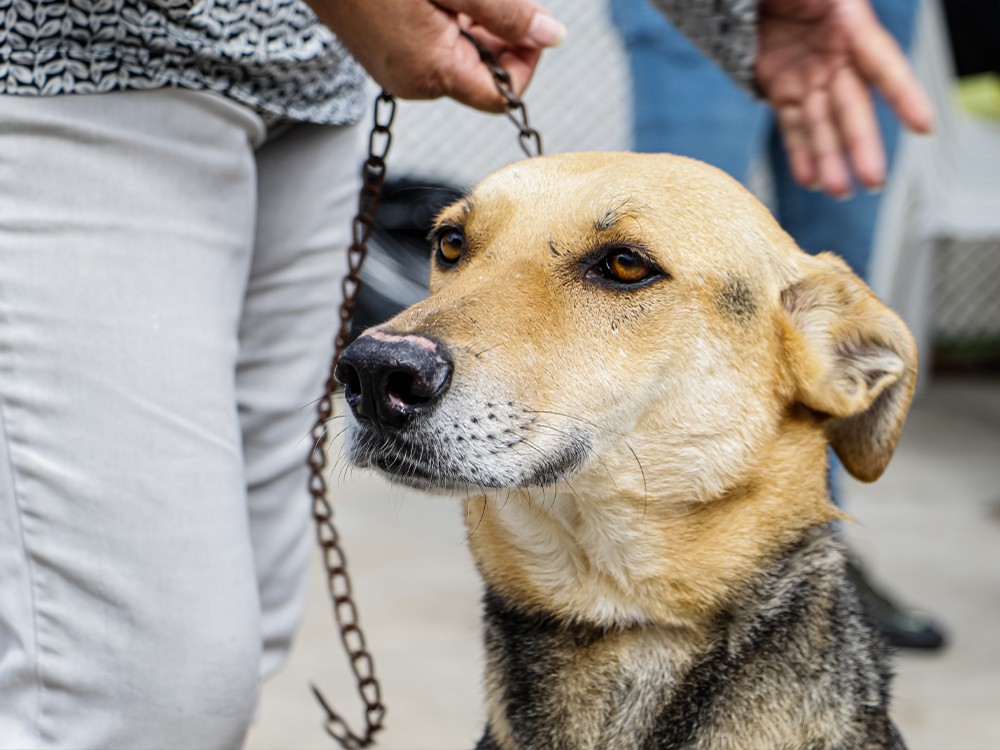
[[601, 314]]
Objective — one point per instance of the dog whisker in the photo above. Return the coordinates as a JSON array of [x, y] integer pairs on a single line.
[[331, 438], [505, 500], [642, 473], [338, 462], [590, 450], [540, 452], [478, 354], [578, 418], [316, 443], [571, 488], [645, 489], [482, 515], [344, 466], [345, 472], [310, 404]]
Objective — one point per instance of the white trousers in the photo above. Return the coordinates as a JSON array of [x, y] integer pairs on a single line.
[[169, 282]]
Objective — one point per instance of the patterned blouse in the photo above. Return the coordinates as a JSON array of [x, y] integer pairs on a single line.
[[271, 55]]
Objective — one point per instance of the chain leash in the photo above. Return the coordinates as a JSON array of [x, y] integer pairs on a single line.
[[529, 139], [345, 612], [334, 561]]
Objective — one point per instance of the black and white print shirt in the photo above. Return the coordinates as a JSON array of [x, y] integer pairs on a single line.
[[271, 55]]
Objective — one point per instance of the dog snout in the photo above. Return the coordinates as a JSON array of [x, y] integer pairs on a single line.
[[390, 379]]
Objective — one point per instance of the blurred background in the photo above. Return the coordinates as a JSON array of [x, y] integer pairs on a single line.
[[929, 530]]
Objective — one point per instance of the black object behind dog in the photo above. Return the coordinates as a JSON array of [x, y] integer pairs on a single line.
[[395, 273]]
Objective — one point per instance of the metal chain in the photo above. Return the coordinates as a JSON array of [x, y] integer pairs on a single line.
[[334, 561], [529, 139]]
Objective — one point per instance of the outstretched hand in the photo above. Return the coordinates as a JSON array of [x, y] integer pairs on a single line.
[[815, 63], [415, 49]]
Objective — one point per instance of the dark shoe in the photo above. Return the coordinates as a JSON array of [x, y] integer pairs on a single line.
[[901, 628]]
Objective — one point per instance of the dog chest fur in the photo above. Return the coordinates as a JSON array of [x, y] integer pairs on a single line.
[[757, 678]]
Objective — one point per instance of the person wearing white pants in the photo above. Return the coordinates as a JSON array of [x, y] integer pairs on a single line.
[[176, 180], [169, 282]]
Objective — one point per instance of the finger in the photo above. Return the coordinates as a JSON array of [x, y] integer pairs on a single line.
[[517, 21], [858, 126], [519, 62], [470, 82], [883, 64], [824, 142], [795, 135]]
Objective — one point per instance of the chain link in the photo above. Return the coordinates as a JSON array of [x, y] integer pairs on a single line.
[[345, 612], [334, 560], [529, 139]]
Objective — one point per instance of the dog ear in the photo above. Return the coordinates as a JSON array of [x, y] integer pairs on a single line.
[[852, 359]]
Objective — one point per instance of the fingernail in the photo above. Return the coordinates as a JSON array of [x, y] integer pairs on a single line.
[[545, 31], [876, 189], [814, 186], [844, 197]]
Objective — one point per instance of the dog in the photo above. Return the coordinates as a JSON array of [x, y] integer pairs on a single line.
[[630, 376]]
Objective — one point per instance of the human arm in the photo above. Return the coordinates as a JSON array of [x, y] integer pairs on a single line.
[[415, 49]]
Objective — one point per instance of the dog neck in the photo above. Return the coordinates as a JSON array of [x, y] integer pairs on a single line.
[[614, 556], [561, 686], [637, 588]]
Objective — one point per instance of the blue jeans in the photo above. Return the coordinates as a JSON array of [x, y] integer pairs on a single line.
[[684, 104]]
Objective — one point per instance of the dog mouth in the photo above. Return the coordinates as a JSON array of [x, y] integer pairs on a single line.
[[412, 420], [425, 461]]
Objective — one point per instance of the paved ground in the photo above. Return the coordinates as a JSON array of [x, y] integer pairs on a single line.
[[930, 527]]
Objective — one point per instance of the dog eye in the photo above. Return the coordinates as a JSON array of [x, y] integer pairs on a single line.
[[626, 267], [450, 247]]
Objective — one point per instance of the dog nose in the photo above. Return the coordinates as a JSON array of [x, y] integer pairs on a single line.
[[390, 379]]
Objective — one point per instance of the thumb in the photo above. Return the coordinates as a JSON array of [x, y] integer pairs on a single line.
[[519, 22]]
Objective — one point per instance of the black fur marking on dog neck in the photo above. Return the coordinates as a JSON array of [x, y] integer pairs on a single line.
[[529, 650], [792, 655], [703, 689]]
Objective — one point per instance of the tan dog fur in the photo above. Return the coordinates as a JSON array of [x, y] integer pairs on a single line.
[[729, 406], [706, 399]]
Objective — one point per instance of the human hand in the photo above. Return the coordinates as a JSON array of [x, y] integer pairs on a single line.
[[815, 62], [415, 49]]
